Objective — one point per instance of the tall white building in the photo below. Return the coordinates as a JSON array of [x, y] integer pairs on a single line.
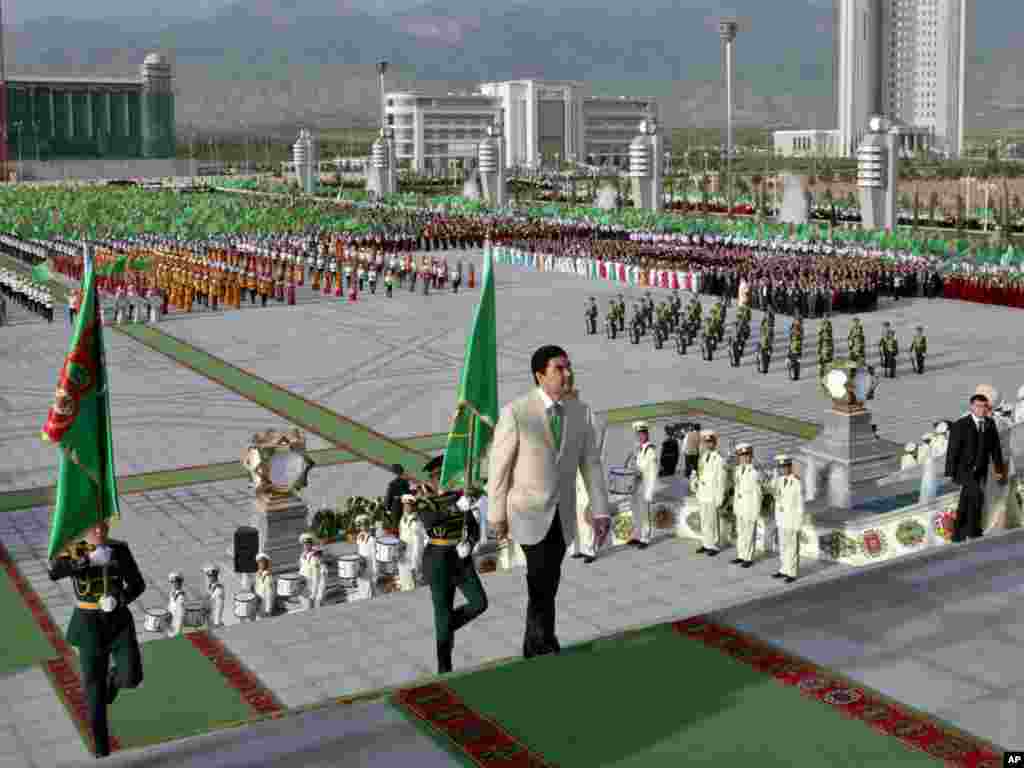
[[926, 54], [905, 59], [544, 122]]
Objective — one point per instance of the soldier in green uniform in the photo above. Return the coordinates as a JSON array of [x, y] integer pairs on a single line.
[[677, 308], [622, 313], [647, 303], [826, 346], [611, 321], [693, 317], [889, 348], [855, 342], [106, 580], [590, 313], [919, 349], [796, 348], [448, 561]]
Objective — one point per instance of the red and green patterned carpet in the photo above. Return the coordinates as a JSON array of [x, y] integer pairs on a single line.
[[690, 693]]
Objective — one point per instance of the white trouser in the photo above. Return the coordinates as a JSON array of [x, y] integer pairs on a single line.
[[746, 532], [406, 575], [789, 552], [641, 511], [709, 524]]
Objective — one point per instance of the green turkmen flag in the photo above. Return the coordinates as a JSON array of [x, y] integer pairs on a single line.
[[79, 424], [478, 388]]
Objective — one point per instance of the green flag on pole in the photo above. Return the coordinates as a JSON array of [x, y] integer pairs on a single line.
[[79, 424], [477, 408]]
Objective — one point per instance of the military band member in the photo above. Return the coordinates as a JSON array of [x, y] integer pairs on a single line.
[[366, 545], [643, 489], [413, 537], [746, 504], [316, 584], [691, 452], [176, 604], [711, 486], [106, 581], [264, 585], [306, 541], [389, 283], [448, 564], [214, 597], [789, 519], [373, 280], [622, 313], [826, 346], [909, 457]]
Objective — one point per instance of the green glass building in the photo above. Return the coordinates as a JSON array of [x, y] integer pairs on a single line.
[[65, 118]]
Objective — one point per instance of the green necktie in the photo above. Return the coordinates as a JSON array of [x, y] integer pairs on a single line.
[[556, 424]]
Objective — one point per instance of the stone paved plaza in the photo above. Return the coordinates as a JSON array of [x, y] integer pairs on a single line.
[[393, 366]]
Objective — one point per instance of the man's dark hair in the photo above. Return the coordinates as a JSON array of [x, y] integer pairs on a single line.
[[976, 398], [541, 358]]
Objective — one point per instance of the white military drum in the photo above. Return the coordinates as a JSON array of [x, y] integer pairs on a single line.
[[195, 613], [349, 567], [388, 550], [246, 605], [290, 585], [157, 619], [621, 481]]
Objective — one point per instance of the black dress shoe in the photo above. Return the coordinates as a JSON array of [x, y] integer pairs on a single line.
[[777, 576], [633, 543], [588, 559], [713, 552], [578, 555], [790, 579], [737, 561], [748, 563], [702, 550], [641, 545]]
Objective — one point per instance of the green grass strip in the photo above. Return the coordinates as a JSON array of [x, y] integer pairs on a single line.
[[650, 699], [759, 419], [183, 694], [143, 482], [24, 643], [343, 433]]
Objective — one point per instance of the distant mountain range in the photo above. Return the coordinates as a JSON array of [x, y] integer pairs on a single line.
[[277, 63]]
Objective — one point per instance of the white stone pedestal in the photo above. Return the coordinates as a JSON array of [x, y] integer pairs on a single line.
[[280, 521]]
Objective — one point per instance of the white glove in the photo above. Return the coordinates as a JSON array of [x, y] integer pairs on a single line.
[[463, 504], [100, 555], [408, 498], [108, 603], [648, 497]]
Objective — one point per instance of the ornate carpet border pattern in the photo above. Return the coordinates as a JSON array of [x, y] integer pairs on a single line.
[[853, 700], [485, 743], [260, 699]]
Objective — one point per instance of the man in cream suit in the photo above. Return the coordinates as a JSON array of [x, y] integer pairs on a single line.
[[540, 442], [789, 518], [711, 481]]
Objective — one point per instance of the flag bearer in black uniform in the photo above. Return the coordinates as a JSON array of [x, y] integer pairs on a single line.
[[448, 565], [106, 581]]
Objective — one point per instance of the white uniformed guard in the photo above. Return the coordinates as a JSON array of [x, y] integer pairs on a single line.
[[366, 544], [176, 604], [940, 442], [924, 448], [214, 596], [746, 504], [909, 458], [413, 536], [710, 492], [789, 518], [1018, 411], [584, 545], [264, 586], [316, 582], [643, 489], [306, 558]]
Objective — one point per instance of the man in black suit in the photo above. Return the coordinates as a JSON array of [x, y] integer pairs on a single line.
[[973, 443], [397, 488]]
